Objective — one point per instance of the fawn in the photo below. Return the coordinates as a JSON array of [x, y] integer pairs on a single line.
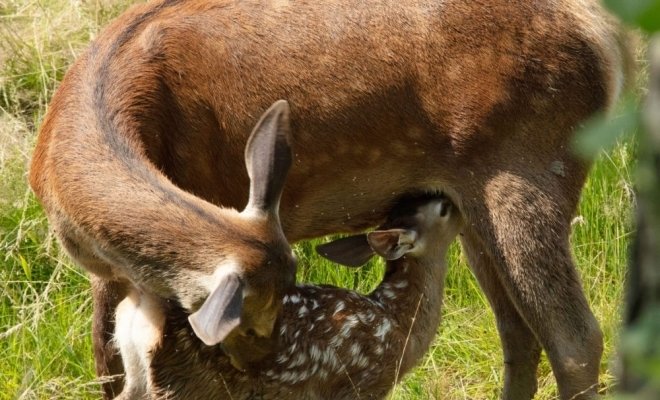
[[329, 343]]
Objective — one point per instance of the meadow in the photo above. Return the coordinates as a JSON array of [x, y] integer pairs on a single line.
[[45, 302]]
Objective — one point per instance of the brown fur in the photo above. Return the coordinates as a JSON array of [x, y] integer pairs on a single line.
[[477, 98], [330, 343]]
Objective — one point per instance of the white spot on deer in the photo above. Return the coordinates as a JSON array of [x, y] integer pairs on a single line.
[[282, 358], [298, 360], [329, 358], [389, 294], [401, 284], [360, 361], [336, 341], [302, 311], [327, 296], [351, 320], [367, 317], [349, 324], [356, 296], [293, 347], [314, 368], [340, 306], [304, 375], [356, 349], [293, 299], [383, 329], [288, 377], [315, 352]]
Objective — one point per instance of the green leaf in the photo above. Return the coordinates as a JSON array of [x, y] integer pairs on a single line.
[[642, 13], [602, 132], [26, 267]]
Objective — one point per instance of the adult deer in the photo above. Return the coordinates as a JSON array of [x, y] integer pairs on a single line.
[[475, 99]]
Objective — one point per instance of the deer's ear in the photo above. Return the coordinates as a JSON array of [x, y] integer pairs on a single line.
[[221, 311], [268, 158], [351, 251], [392, 244]]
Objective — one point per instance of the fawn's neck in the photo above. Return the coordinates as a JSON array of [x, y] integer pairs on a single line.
[[411, 292]]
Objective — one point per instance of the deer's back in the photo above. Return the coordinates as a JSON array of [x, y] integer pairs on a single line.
[[386, 96]]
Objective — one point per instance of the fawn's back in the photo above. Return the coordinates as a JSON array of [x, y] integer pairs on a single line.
[[331, 343]]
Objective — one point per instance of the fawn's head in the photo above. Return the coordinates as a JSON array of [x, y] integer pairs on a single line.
[[419, 226], [246, 289]]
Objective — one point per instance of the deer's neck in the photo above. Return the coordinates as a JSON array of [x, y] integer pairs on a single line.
[[412, 294]]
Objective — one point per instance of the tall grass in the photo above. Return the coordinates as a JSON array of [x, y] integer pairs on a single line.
[[45, 307]]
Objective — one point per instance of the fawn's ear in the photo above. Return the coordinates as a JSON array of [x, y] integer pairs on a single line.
[[392, 244], [351, 251], [268, 158], [221, 311]]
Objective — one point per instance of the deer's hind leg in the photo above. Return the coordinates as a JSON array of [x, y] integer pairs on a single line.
[[522, 224], [107, 293], [109, 365]]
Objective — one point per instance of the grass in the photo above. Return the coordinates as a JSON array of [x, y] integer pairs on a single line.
[[45, 302]]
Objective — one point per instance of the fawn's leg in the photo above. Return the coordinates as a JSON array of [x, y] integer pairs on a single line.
[[523, 222], [521, 349]]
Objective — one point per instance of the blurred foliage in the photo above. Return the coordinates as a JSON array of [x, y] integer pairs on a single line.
[[640, 340], [641, 13]]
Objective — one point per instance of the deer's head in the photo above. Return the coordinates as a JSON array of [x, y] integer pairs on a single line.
[[245, 290]]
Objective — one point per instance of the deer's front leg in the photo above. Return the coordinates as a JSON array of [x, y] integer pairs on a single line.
[[520, 348]]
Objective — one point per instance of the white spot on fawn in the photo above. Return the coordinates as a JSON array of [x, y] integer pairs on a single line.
[[302, 311], [356, 349], [383, 329], [299, 359], [336, 341], [401, 284], [340, 306], [293, 299]]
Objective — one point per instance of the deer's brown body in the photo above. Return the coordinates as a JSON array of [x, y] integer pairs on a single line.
[[479, 99]]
